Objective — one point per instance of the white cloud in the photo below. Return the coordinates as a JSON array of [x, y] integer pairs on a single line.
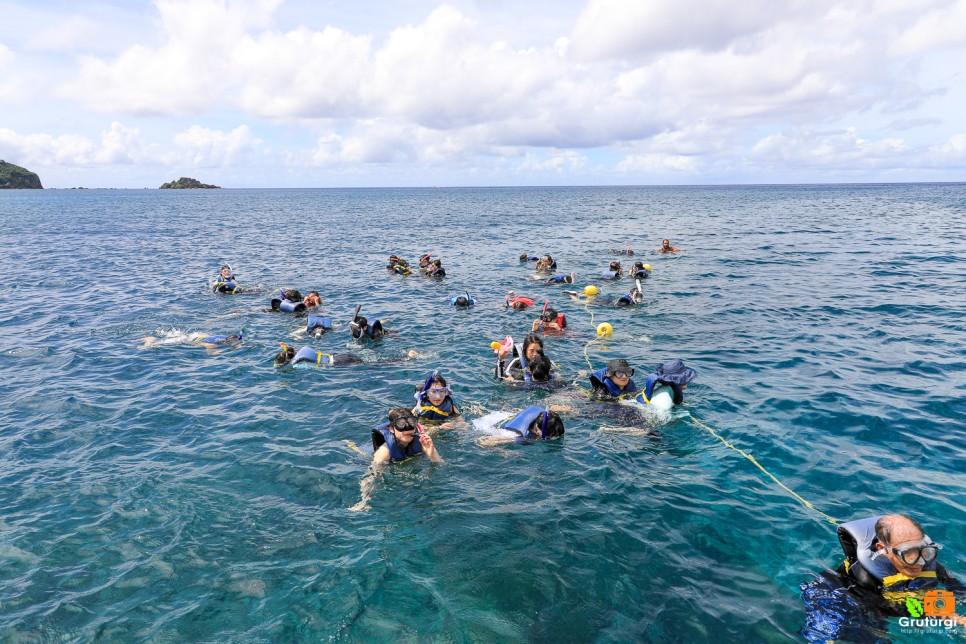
[[938, 28], [645, 165], [69, 35], [843, 149], [202, 147]]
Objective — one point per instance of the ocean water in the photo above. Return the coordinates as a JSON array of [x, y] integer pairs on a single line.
[[169, 495]]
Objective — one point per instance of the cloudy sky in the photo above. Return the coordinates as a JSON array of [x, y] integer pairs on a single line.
[[326, 93]]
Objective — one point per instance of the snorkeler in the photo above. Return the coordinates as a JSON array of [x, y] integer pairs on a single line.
[[669, 379], [395, 441], [546, 264], [311, 357], [289, 301], [462, 301], [398, 266], [618, 251], [434, 400], [517, 302], [312, 300], [318, 326], [528, 426], [528, 363], [633, 298], [226, 282], [361, 328], [550, 321], [615, 271], [176, 338], [558, 279], [666, 247], [641, 270], [614, 381], [435, 269], [528, 258]]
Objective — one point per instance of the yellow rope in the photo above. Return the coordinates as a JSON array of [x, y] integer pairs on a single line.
[[352, 445], [751, 458]]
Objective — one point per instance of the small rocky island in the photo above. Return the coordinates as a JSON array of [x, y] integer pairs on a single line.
[[186, 182], [13, 176]]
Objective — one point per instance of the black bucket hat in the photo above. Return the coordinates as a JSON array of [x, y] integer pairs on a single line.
[[618, 364], [675, 371]]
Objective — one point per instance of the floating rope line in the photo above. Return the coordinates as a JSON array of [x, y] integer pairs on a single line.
[[751, 458]]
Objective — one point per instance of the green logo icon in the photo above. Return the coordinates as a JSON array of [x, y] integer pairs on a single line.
[[914, 606]]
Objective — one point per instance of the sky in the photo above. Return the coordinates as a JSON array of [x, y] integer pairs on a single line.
[[327, 93]]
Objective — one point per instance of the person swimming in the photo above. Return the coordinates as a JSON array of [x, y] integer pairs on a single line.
[[360, 327], [398, 266], [528, 426], [625, 251], [311, 357], [434, 401], [318, 326], [462, 301], [529, 258], [289, 301], [673, 375], [614, 381], [226, 282], [666, 247], [613, 272], [181, 338], [633, 298], [640, 271], [558, 279], [520, 357], [395, 441], [546, 264], [550, 321], [517, 302], [312, 300]]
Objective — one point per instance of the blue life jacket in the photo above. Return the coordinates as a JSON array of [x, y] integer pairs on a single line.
[[858, 540], [382, 435], [648, 393], [428, 411], [439, 272], [609, 275], [222, 339], [559, 279], [287, 306], [530, 258], [641, 274], [317, 321], [600, 380], [308, 354], [230, 287], [625, 300], [522, 421], [452, 300]]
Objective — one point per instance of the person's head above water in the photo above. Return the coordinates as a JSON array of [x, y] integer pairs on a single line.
[[619, 371], [532, 346], [546, 425], [403, 425], [540, 368], [902, 541], [674, 371], [615, 266], [666, 243], [435, 389], [284, 356], [225, 271], [313, 299], [461, 300], [424, 260], [550, 315]]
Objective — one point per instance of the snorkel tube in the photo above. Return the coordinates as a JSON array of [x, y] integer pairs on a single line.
[[419, 394], [354, 324]]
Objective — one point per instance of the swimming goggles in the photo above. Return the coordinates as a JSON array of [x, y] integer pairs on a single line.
[[439, 391], [924, 554], [620, 373], [405, 424]]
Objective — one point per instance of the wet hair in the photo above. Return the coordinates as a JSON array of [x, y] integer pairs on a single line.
[[519, 305], [615, 266], [568, 279], [399, 412], [377, 330], [284, 356], [316, 293], [885, 525], [292, 295], [524, 257], [540, 368], [549, 315], [666, 241], [554, 426], [532, 338], [434, 379], [462, 301], [638, 266]]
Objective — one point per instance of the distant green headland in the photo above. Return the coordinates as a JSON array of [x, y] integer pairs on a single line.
[[186, 182], [13, 176]]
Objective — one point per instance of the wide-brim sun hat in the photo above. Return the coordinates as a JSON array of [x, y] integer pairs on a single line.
[[675, 371]]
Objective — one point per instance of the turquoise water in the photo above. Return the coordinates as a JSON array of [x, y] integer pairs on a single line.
[[172, 495]]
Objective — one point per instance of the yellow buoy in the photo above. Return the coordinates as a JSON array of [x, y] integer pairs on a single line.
[[495, 345], [604, 329], [590, 290], [647, 267]]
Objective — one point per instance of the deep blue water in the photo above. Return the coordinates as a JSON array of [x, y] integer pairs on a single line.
[[172, 495]]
